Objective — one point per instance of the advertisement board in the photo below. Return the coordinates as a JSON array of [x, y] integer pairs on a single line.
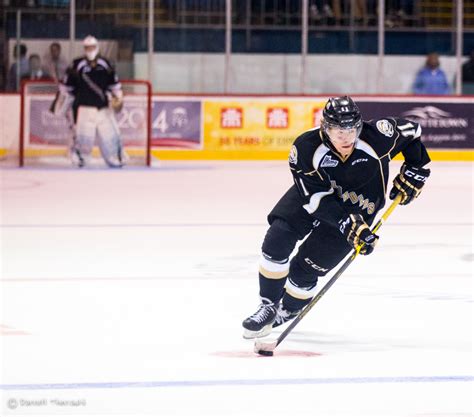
[[444, 125], [257, 124], [176, 124], [253, 127]]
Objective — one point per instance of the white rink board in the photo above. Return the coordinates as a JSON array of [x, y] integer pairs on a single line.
[[124, 290]]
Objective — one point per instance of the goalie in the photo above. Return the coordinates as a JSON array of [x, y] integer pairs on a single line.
[[92, 88]]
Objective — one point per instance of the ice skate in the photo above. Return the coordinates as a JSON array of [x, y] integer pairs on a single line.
[[260, 323], [284, 316]]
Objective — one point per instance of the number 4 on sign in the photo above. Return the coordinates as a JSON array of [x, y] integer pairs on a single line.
[[160, 122]]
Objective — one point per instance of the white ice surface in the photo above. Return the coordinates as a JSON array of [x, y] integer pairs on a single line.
[[126, 290]]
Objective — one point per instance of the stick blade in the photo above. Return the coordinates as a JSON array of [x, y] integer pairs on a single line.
[[264, 348]]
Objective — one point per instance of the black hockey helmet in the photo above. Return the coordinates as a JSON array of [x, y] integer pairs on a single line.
[[343, 113]]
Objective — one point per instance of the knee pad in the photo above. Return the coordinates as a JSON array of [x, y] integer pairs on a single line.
[[279, 241], [278, 244], [302, 274]]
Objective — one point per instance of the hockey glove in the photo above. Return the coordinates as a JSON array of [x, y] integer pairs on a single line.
[[117, 104], [357, 232], [409, 183]]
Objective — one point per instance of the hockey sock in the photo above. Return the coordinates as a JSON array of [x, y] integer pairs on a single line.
[[271, 288], [294, 304]]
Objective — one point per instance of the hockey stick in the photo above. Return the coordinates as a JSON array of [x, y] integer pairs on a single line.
[[266, 348]]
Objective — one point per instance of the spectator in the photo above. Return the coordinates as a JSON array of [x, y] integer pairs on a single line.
[[12, 76], [360, 12], [431, 79], [399, 13], [468, 75], [55, 64], [36, 72], [320, 10]]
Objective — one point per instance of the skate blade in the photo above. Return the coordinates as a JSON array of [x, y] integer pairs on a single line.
[[249, 334]]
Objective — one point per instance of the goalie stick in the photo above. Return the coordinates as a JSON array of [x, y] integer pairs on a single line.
[[266, 348]]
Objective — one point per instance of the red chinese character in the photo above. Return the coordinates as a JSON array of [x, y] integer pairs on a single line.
[[277, 118], [232, 118], [317, 114]]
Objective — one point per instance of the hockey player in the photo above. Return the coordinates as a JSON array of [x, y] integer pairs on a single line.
[[340, 173], [92, 87]]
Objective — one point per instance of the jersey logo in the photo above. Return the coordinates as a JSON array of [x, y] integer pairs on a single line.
[[385, 128], [329, 162], [293, 158], [359, 160], [354, 198]]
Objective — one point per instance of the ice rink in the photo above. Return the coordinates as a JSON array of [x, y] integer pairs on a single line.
[[123, 293]]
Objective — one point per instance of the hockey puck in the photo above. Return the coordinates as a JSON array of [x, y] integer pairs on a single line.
[[265, 352]]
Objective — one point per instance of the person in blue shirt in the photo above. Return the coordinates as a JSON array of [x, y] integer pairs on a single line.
[[431, 79], [19, 53]]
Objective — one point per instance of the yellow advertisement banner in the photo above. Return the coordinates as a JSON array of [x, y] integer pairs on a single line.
[[257, 124]]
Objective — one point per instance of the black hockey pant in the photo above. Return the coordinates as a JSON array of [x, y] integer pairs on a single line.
[[295, 281]]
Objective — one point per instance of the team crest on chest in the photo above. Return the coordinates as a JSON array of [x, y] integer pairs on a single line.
[[385, 128], [329, 162]]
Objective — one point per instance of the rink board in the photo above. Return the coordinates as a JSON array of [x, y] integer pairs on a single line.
[[245, 127]]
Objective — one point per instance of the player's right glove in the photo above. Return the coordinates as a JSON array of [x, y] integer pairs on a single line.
[[408, 183], [357, 232]]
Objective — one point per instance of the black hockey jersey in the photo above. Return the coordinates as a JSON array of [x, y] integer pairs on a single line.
[[90, 83], [328, 188]]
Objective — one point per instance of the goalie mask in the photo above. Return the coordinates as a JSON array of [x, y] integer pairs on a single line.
[[91, 48], [341, 124]]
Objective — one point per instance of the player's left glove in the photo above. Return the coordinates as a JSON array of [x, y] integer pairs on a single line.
[[409, 183], [357, 232]]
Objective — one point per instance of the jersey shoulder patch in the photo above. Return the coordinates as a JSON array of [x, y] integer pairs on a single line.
[[104, 63], [385, 127], [306, 145], [293, 157]]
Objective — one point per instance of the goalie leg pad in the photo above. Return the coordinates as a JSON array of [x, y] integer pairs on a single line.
[[110, 142], [85, 132], [62, 102]]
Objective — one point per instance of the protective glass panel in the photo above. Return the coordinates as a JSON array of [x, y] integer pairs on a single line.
[[189, 46], [266, 43]]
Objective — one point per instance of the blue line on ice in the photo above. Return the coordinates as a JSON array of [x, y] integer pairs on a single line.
[[168, 225], [128, 225], [237, 382]]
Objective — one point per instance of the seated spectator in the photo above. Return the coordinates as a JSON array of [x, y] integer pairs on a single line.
[[321, 11], [468, 75], [55, 65], [399, 13], [36, 72], [12, 77], [431, 79], [360, 12]]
